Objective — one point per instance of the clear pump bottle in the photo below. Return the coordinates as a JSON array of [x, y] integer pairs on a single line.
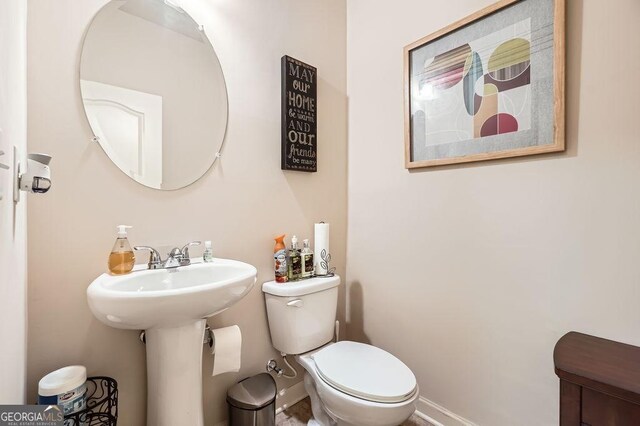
[[307, 260], [294, 261], [121, 259]]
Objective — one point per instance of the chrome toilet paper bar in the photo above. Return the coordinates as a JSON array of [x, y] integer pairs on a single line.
[[208, 339]]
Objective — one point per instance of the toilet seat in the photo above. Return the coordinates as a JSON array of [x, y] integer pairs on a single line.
[[365, 372]]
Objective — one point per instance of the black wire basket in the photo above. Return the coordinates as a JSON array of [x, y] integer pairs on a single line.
[[102, 404]]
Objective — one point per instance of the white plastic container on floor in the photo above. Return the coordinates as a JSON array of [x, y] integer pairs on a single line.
[[67, 387]]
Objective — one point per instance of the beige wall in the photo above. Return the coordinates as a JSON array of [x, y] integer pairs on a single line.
[[240, 205], [13, 218], [471, 273]]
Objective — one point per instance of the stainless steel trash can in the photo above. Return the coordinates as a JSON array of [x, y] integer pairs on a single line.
[[252, 402]]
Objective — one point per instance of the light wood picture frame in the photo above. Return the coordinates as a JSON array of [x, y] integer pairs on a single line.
[[491, 85]]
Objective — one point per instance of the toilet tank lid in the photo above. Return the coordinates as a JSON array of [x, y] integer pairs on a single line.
[[300, 287]]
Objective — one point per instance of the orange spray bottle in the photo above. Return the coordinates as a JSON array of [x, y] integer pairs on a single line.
[[280, 259]]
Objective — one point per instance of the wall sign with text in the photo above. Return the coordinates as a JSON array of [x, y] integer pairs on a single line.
[[299, 116]]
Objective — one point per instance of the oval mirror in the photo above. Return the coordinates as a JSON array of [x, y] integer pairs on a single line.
[[153, 92]]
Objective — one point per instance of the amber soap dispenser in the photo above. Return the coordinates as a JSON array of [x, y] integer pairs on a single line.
[[121, 259]]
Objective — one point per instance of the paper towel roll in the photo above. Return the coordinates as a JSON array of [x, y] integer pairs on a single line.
[[226, 349], [321, 242]]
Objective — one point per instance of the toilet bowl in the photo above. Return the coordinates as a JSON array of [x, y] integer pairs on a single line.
[[349, 383], [358, 392]]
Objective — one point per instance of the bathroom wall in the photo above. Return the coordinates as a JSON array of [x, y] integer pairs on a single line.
[[13, 225], [240, 204], [471, 273]]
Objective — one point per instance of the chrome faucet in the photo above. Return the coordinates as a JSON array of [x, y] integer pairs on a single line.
[[176, 257], [185, 259], [155, 261]]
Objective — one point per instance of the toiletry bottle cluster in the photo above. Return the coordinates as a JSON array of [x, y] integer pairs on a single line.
[[122, 259], [293, 263]]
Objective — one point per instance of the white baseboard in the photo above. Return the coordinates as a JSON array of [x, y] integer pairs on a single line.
[[292, 395], [437, 415], [428, 410]]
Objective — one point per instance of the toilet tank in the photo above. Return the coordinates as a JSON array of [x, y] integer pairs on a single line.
[[302, 313]]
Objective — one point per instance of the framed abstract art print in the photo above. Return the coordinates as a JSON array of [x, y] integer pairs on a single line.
[[488, 86]]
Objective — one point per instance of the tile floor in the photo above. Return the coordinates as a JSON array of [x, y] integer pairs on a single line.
[[300, 413]]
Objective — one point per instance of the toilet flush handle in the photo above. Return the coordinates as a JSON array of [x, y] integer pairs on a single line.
[[296, 303]]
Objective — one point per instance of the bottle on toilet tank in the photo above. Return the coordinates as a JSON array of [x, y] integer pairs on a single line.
[[280, 260], [307, 260], [294, 261]]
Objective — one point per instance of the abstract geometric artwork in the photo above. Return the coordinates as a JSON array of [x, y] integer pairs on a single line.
[[487, 88]]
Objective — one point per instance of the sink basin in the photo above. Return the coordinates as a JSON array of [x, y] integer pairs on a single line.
[[169, 297], [171, 305]]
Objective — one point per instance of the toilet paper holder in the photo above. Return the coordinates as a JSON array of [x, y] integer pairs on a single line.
[[208, 339]]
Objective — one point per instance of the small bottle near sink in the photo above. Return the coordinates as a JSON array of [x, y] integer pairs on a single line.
[[121, 258], [207, 256]]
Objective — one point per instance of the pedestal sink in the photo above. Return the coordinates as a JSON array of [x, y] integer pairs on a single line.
[[171, 305]]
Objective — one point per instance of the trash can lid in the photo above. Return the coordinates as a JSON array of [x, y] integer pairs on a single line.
[[253, 392]]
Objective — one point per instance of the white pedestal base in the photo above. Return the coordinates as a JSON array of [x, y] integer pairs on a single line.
[[174, 375]]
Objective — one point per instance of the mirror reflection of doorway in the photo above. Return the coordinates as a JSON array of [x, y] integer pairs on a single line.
[[128, 125]]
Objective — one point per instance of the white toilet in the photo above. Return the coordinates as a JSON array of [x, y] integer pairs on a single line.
[[349, 383]]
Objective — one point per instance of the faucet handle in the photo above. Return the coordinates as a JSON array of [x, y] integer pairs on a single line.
[[155, 261], [185, 248]]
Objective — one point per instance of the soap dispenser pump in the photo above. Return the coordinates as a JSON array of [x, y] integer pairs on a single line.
[[121, 259]]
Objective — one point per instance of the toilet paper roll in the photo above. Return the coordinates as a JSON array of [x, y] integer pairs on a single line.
[[226, 349], [321, 242]]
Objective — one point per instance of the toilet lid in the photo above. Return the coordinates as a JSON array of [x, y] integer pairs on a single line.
[[365, 371]]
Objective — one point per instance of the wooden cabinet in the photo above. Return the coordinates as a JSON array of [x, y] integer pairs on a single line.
[[599, 381]]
